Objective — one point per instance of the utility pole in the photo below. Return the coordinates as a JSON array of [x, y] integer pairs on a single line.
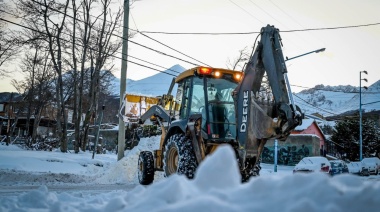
[[10, 112], [275, 154], [360, 113], [123, 81]]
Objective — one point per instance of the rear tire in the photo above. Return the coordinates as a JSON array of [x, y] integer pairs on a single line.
[[252, 169], [179, 157], [145, 168]]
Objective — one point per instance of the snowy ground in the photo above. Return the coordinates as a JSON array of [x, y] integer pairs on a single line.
[[54, 181]]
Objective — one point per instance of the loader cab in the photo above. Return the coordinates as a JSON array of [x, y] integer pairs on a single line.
[[207, 91]]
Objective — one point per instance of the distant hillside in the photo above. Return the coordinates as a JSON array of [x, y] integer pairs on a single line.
[[334, 100], [155, 85]]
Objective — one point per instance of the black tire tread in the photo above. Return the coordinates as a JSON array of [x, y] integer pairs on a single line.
[[187, 162], [146, 175]]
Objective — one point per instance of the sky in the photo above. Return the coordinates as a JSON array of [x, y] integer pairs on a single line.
[[348, 51], [55, 181]]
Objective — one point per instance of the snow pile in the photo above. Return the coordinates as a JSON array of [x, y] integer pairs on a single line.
[[21, 167], [36, 167], [216, 187], [125, 170]]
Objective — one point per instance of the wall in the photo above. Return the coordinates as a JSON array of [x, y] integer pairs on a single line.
[[313, 129], [292, 150]]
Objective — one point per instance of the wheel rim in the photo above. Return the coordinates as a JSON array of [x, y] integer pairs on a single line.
[[172, 162]]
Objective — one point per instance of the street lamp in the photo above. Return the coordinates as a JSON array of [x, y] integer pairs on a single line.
[[360, 111], [286, 75], [315, 51]]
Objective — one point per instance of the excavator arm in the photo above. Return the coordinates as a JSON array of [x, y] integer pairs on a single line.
[[262, 114]]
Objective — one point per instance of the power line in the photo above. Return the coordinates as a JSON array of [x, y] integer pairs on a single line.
[[162, 53], [320, 89], [172, 48], [265, 12], [154, 64], [246, 12], [249, 33], [163, 43], [331, 28]]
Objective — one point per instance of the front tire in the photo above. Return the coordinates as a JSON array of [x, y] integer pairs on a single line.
[[145, 168], [179, 157]]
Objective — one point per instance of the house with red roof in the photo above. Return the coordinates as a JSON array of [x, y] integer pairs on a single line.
[[310, 127], [306, 140]]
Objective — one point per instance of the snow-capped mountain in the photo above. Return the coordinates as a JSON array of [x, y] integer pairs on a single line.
[[335, 100], [322, 99], [155, 85]]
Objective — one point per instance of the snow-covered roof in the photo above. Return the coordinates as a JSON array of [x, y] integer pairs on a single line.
[[305, 124]]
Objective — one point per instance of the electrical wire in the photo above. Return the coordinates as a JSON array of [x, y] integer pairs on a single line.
[[249, 33], [247, 12], [319, 89], [172, 48]]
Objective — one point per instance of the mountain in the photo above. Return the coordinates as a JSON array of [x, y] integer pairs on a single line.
[[155, 85], [335, 100]]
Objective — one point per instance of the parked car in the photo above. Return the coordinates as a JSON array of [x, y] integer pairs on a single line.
[[358, 168], [312, 164], [338, 167], [373, 165]]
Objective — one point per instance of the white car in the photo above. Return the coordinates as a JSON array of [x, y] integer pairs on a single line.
[[358, 168], [313, 164], [373, 165]]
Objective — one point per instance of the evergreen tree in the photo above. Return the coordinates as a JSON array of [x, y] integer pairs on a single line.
[[346, 133]]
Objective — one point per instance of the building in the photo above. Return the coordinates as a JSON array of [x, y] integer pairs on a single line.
[[306, 140], [310, 127], [13, 113]]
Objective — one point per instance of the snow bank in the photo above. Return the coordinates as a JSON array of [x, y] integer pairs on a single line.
[[125, 170], [216, 187]]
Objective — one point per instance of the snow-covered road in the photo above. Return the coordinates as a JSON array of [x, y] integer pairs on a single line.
[[7, 191]]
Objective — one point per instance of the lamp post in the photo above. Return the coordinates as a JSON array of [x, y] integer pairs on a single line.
[[315, 51], [286, 75], [360, 113]]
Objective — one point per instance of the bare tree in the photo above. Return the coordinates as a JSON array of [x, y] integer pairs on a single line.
[[55, 49], [76, 112], [8, 45], [80, 137], [37, 86], [102, 48], [239, 61], [81, 44]]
